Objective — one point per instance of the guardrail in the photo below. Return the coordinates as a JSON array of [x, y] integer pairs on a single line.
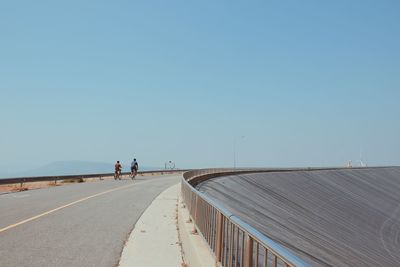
[[233, 242], [55, 178]]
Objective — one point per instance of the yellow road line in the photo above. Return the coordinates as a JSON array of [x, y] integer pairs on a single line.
[[62, 207]]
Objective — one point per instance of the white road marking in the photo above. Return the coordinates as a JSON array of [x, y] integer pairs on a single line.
[[63, 207], [21, 196]]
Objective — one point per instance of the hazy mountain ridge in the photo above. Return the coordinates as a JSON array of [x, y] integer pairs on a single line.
[[71, 168]]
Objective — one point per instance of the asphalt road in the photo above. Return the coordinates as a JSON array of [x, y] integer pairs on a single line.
[[348, 217], [82, 224]]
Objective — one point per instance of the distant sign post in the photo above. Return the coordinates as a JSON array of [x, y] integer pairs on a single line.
[[169, 165]]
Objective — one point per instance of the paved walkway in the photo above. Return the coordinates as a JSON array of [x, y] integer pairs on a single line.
[[154, 240]]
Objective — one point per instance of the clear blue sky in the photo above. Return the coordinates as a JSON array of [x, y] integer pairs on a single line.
[[308, 83]]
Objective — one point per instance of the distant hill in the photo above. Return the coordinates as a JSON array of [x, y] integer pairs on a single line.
[[71, 168]]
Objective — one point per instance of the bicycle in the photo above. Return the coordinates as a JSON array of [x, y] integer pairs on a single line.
[[117, 175], [133, 173]]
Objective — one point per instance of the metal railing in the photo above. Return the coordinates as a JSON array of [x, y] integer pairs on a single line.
[[55, 178], [233, 242]]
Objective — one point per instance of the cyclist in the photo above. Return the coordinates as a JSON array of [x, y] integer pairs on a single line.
[[117, 173], [134, 168]]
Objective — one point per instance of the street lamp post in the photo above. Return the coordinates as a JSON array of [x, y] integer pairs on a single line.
[[234, 150]]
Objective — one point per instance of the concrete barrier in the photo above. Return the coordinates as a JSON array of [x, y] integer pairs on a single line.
[[196, 252]]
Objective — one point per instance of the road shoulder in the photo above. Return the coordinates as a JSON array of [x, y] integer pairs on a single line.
[[154, 240]]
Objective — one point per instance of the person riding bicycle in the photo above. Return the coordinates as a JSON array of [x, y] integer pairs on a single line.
[[118, 168], [134, 168]]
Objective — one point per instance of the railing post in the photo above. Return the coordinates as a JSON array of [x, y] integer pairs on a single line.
[[195, 207], [22, 182], [248, 251], [218, 237], [196, 221]]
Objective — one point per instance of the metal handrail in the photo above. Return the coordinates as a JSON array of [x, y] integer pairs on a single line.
[[18, 180], [233, 241]]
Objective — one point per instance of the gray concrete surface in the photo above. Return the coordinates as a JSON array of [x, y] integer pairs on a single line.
[[196, 251], [348, 217], [155, 231], [89, 233]]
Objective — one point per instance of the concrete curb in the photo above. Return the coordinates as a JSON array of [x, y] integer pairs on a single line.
[[196, 252], [154, 239]]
